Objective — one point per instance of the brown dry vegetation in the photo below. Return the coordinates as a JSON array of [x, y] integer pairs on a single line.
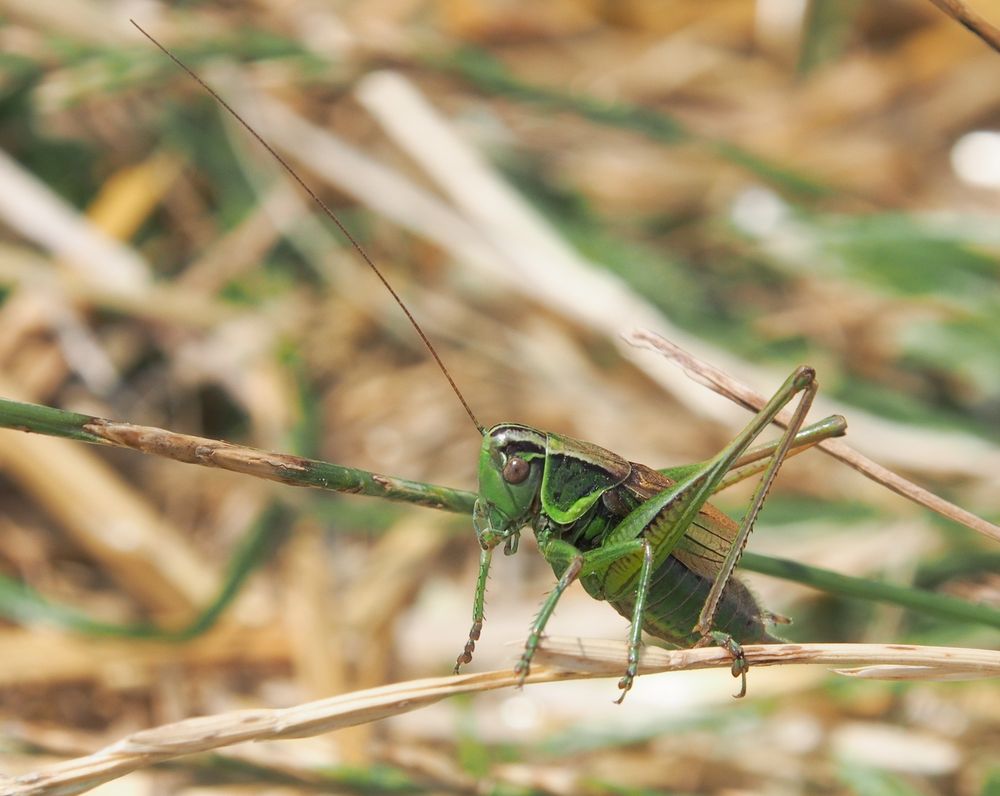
[[766, 187]]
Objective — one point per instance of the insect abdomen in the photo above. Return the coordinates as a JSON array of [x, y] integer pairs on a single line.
[[676, 597]]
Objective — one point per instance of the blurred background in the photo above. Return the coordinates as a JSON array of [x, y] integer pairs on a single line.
[[766, 183]]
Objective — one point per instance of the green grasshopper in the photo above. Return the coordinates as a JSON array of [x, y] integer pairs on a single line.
[[646, 541]]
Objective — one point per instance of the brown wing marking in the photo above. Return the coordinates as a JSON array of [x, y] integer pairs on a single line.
[[709, 538]]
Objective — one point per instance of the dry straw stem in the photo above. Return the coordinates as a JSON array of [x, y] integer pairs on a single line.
[[559, 658], [961, 13], [727, 386]]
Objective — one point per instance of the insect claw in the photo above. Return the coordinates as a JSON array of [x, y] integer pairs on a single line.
[[743, 682], [739, 666], [466, 655], [625, 684], [464, 658]]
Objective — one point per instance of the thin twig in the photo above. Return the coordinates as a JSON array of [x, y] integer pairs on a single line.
[[965, 16], [729, 387], [588, 659]]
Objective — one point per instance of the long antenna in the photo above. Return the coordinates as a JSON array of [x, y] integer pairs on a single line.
[[329, 213]]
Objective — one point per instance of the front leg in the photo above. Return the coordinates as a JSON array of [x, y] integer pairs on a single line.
[[575, 563], [478, 608], [555, 551]]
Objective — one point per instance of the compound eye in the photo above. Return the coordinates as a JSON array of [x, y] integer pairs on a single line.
[[515, 470]]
